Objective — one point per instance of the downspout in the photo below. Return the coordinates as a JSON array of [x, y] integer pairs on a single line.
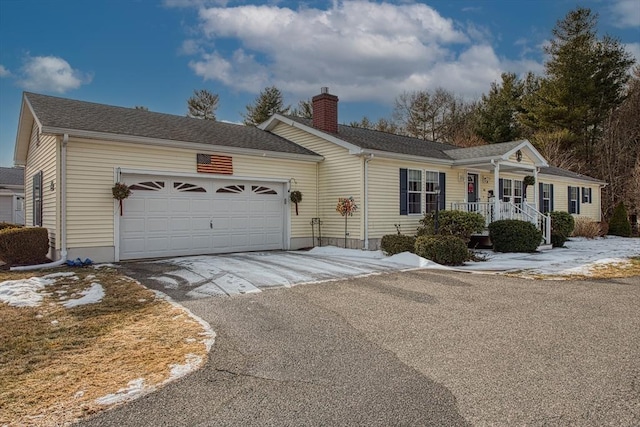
[[366, 159], [63, 214]]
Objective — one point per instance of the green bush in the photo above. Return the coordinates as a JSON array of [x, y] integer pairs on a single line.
[[446, 250], [619, 224], [452, 223], [24, 246], [397, 243], [512, 235], [562, 225]]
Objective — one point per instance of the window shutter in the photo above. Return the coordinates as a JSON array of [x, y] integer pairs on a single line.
[[569, 199], [551, 196], [540, 198], [500, 189], [578, 200], [404, 201], [442, 181], [590, 196]]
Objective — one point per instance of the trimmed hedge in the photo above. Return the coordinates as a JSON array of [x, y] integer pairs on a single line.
[[562, 225], [446, 250], [24, 246], [619, 224], [5, 225], [513, 235], [397, 243], [452, 223]]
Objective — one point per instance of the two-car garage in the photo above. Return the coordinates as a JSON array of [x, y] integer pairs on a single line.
[[174, 216]]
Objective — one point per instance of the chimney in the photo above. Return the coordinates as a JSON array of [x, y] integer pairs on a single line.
[[325, 111]]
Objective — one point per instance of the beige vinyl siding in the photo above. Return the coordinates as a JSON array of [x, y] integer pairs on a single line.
[[384, 194], [90, 176], [525, 158], [339, 175], [561, 195], [43, 156]]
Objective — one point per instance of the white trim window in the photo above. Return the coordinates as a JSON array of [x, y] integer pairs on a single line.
[[546, 198], [574, 206], [506, 190], [432, 189], [517, 192], [414, 191]]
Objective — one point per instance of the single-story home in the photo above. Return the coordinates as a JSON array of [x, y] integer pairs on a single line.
[[12, 195], [204, 187]]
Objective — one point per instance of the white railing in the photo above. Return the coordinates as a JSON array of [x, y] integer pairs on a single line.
[[494, 211]]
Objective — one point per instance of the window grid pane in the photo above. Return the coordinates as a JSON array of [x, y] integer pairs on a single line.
[[414, 191]]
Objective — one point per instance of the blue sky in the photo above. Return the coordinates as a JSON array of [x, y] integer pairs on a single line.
[[156, 52]]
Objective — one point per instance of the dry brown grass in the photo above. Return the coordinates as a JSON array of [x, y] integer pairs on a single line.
[[52, 373], [631, 268], [585, 227]]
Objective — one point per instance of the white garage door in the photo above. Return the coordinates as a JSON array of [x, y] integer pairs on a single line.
[[171, 216]]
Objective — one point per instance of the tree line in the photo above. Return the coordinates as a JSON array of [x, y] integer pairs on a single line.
[[582, 114]]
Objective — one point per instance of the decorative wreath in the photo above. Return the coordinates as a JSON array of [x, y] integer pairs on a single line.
[[120, 192], [296, 196]]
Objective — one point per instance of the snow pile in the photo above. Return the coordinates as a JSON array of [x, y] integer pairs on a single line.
[[413, 260], [91, 295], [133, 389]]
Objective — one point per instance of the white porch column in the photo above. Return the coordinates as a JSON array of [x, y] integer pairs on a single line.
[[496, 187], [536, 203]]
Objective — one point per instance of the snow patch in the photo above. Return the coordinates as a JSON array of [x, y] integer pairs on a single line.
[[192, 362], [91, 295], [133, 389], [24, 292], [168, 282], [342, 252], [413, 260]]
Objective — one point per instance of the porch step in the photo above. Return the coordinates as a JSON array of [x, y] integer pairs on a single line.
[[545, 247]]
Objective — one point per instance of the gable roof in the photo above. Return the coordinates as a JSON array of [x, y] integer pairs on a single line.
[[60, 115], [369, 139], [483, 151], [11, 177]]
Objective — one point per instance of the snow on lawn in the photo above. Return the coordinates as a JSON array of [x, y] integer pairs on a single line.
[[29, 292], [579, 256]]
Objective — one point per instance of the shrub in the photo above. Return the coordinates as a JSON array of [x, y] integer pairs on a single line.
[[585, 227], [453, 223], [512, 235], [5, 225], [562, 224], [24, 245], [446, 250], [396, 243], [619, 224]]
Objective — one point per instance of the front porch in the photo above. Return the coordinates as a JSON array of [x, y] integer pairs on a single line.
[[497, 210]]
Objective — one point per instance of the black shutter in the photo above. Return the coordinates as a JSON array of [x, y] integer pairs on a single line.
[[500, 189], [569, 199], [442, 181], [540, 198], [590, 196], [404, 202], [578, 200], [551, 197]]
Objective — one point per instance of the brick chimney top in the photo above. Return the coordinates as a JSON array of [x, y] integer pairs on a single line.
[[325, 111]]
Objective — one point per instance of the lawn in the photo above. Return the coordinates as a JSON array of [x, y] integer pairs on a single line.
[[78, 341]]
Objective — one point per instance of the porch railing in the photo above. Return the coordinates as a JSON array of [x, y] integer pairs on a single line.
[[494, 211]]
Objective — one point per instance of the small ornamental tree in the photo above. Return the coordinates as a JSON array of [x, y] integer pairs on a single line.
[[619, 224], [346, 207]]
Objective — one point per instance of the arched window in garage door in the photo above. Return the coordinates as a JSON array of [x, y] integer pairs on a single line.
[[148, 186], [231, 189], [259, 189], [186, 187]]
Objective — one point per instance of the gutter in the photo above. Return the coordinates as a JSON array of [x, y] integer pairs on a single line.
[[63, 214]]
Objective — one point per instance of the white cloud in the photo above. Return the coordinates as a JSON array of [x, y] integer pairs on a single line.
[[4, 72], [361, 50], [634, 50], [626, 13], [51, 73]]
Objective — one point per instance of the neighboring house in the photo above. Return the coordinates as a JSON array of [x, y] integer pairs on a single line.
[[12, 195], [204, 187]]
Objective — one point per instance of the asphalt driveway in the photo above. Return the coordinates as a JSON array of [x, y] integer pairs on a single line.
[[412, 348], [195, 277]]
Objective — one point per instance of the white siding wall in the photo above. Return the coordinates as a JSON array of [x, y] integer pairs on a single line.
[[339, 175], [90, 176], [43, 156]]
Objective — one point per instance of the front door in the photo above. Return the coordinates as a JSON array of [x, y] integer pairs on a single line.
[[472, 187]]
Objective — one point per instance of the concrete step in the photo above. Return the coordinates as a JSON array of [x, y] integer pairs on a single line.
[[545, 247]]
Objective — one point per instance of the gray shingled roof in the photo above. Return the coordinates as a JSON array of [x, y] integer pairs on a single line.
[[552, 170], [87, 116], [375, 140], [482, 151], [11, 176]]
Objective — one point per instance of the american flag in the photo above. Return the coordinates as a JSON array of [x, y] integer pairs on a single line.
[[210, 163]]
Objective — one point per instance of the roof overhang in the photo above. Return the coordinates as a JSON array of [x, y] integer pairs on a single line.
[[25, 124], [504, 159]]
